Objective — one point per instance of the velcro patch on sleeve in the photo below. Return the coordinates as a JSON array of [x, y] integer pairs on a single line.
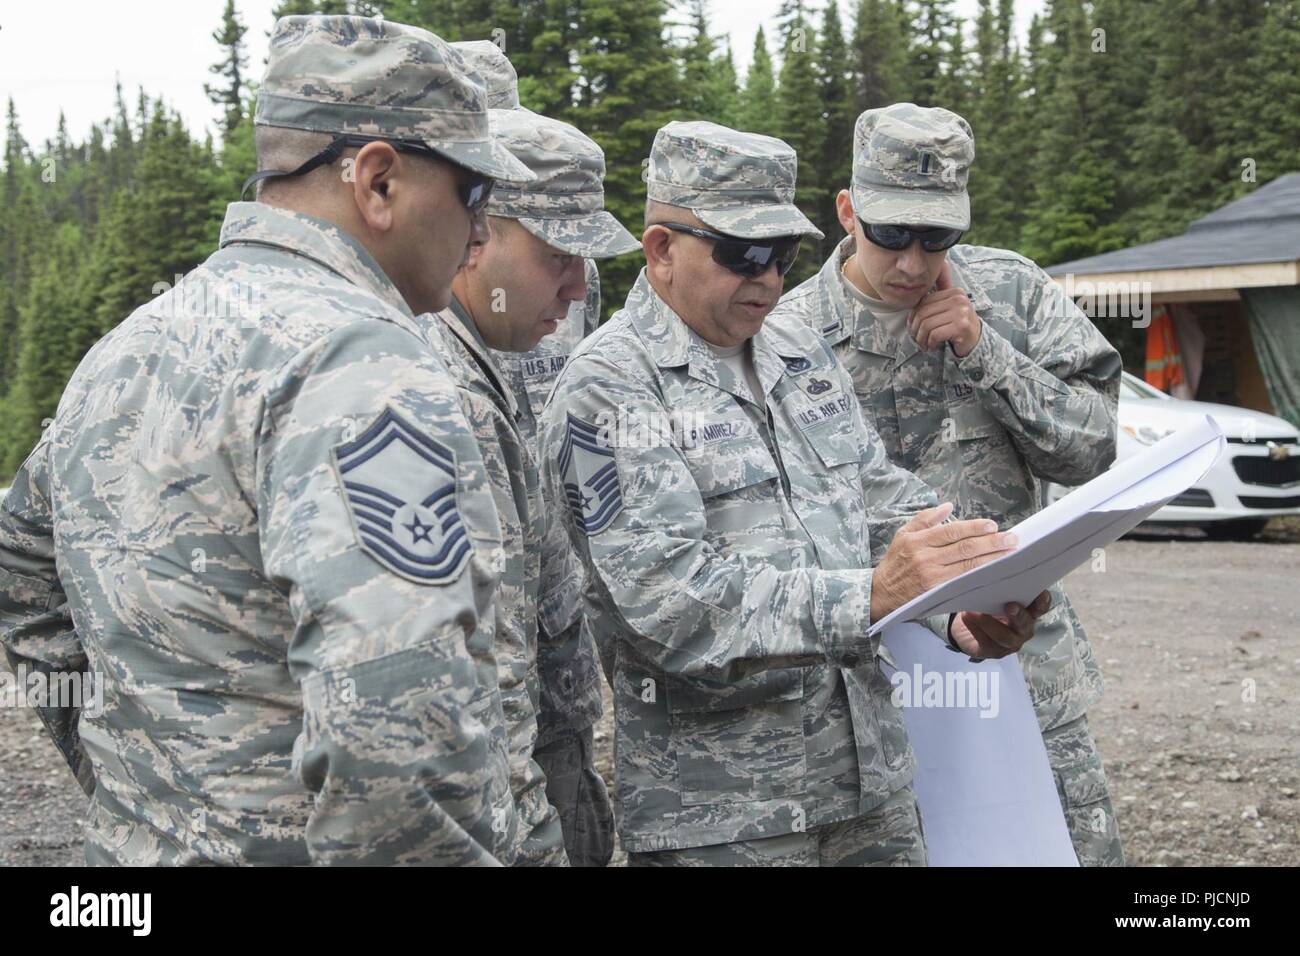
[[400, 488]]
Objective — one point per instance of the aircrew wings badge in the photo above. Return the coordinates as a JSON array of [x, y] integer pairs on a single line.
[[400, 488], [590, 476]]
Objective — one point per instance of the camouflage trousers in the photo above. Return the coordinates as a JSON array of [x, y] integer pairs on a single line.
[[889, 835], [1085, 798], [578, 793]]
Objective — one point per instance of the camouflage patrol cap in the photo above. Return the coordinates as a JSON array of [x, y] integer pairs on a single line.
[[487, 60], [910, 166], [371, 77], [738, 183], [565, 205]]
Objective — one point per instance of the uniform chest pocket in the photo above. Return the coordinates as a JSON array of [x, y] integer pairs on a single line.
[[993, 481], [539, 373], [739, 742], [832, 475], [970, 419], [723, 467], [839, 448]]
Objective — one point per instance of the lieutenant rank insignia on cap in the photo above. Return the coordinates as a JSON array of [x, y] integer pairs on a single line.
[[400, 489], [590, 476]]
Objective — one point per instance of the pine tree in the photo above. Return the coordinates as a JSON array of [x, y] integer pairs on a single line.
[[726, 91], [1174, 174], [289, 8], [94, 181], [543, 49], [44, 364], [1074, 171], [230, 95], [121, 158], [236, 161], [880, 55], [1001, 148], [20, 231], [954, 84], [932, 50], [1263, 112], [800, 120], [837, 92], [758, 100], [701, 95], [628, 89], [164, 229]]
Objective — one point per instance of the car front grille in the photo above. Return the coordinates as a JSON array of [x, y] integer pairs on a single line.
[[1254, 470], [1273, 504], [1194, 498]]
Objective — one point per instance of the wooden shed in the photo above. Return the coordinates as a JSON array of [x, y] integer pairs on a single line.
[[1231, 282]]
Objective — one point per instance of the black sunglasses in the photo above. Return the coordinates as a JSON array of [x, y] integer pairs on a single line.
[[746, 257], [898, 238], [472, 187]]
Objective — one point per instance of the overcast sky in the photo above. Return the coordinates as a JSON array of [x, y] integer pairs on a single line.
[[166, 46]]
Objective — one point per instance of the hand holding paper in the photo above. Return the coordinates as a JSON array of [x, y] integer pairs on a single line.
[[990, 636], [1064, 535], [925, 553]]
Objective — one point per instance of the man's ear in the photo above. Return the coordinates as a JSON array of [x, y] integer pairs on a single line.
[[475, 255], [374, 182], [658, 246], [844, 211]]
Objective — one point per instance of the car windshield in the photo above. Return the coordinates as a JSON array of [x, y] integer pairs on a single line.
[[1130, 386]]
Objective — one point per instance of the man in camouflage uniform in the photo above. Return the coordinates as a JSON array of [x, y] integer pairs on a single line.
[[260, 513], [729, 502], [568, 673], [531, 374], [533, 269], [983, 379]]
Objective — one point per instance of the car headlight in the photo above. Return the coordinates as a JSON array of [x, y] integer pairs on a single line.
[[1146, 434]]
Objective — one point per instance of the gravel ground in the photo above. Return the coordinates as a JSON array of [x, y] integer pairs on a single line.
[[1202, 772]]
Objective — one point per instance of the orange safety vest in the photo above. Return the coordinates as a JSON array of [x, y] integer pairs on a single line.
[[1164, 365]]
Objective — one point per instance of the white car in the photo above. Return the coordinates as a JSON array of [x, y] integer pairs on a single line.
[[1257, 477]]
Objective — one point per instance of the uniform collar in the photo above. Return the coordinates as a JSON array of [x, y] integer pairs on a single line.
[[964, 277], [671, 343], [319, 240], [461, 324]]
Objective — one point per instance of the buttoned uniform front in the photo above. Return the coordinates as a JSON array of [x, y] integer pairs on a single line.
[[281, 684], [729, 576], [1035, 400], [563, 207], [567, 663], [512, 473], [568, 669]]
